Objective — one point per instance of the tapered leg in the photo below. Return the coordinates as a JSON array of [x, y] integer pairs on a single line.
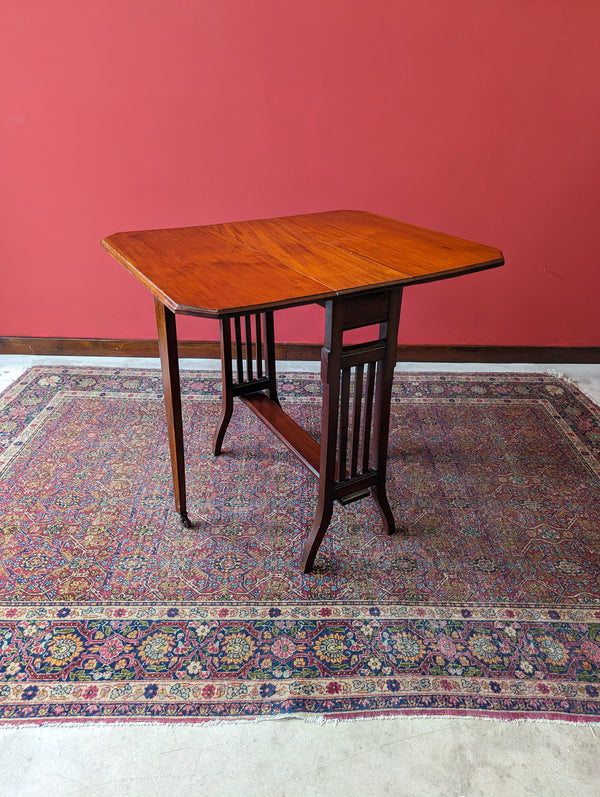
[[227, 386], [317, 532], [167, 345], [379, 493], [388, 332]]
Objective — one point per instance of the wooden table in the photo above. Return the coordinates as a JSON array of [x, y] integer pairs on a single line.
[[352, 262]]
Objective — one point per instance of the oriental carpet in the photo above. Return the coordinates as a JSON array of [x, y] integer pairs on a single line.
[[485, 602]]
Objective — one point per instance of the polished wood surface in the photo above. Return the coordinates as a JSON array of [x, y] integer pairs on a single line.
[[246, 266]]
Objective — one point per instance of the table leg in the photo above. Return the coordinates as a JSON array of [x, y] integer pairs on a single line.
[[354, 438], [167, 346], [330, 376], [226, 386], [383, 397]]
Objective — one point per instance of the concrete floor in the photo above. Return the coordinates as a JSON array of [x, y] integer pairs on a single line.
[[289, 757]]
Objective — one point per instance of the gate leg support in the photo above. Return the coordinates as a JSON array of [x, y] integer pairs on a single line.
[[330, 376], [340, 476], [388, 331]]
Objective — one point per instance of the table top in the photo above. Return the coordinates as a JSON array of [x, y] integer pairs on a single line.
[[265, 264]]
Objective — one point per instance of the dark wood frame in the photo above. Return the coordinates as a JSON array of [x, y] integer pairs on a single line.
[[349, 466]]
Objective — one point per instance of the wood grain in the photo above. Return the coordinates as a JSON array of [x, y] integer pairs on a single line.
[[263, 264], [328, 264], [193, 271], [286, 429], [415, 254]]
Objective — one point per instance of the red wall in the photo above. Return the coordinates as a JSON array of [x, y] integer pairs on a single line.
[[477, 117]]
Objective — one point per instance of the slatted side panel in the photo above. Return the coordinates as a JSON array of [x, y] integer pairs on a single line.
[[249, 355], [355, 433]]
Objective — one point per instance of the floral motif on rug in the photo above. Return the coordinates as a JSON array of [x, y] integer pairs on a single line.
[[485, 602]]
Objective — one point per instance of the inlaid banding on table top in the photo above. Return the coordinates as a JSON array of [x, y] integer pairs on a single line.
[[221, 269]]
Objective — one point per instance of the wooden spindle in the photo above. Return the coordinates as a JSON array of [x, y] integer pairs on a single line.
[[238, 349], [356, 436], [368, 415], [248, 347], [344, 413], [259, 354]]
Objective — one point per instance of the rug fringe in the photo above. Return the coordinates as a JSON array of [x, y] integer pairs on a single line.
[[561, 375], [310, 719], [508, 720]]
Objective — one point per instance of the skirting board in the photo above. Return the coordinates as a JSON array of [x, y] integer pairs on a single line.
[[206, 349]]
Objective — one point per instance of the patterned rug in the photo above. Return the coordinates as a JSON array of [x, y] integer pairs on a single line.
[[486, 602]]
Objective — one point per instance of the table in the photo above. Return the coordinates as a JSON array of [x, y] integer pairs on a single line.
[[356, 265]]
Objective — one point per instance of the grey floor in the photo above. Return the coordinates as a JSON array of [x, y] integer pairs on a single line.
[[289, 757]]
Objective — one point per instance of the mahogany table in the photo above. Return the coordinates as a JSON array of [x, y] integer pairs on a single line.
[[352, 262]]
